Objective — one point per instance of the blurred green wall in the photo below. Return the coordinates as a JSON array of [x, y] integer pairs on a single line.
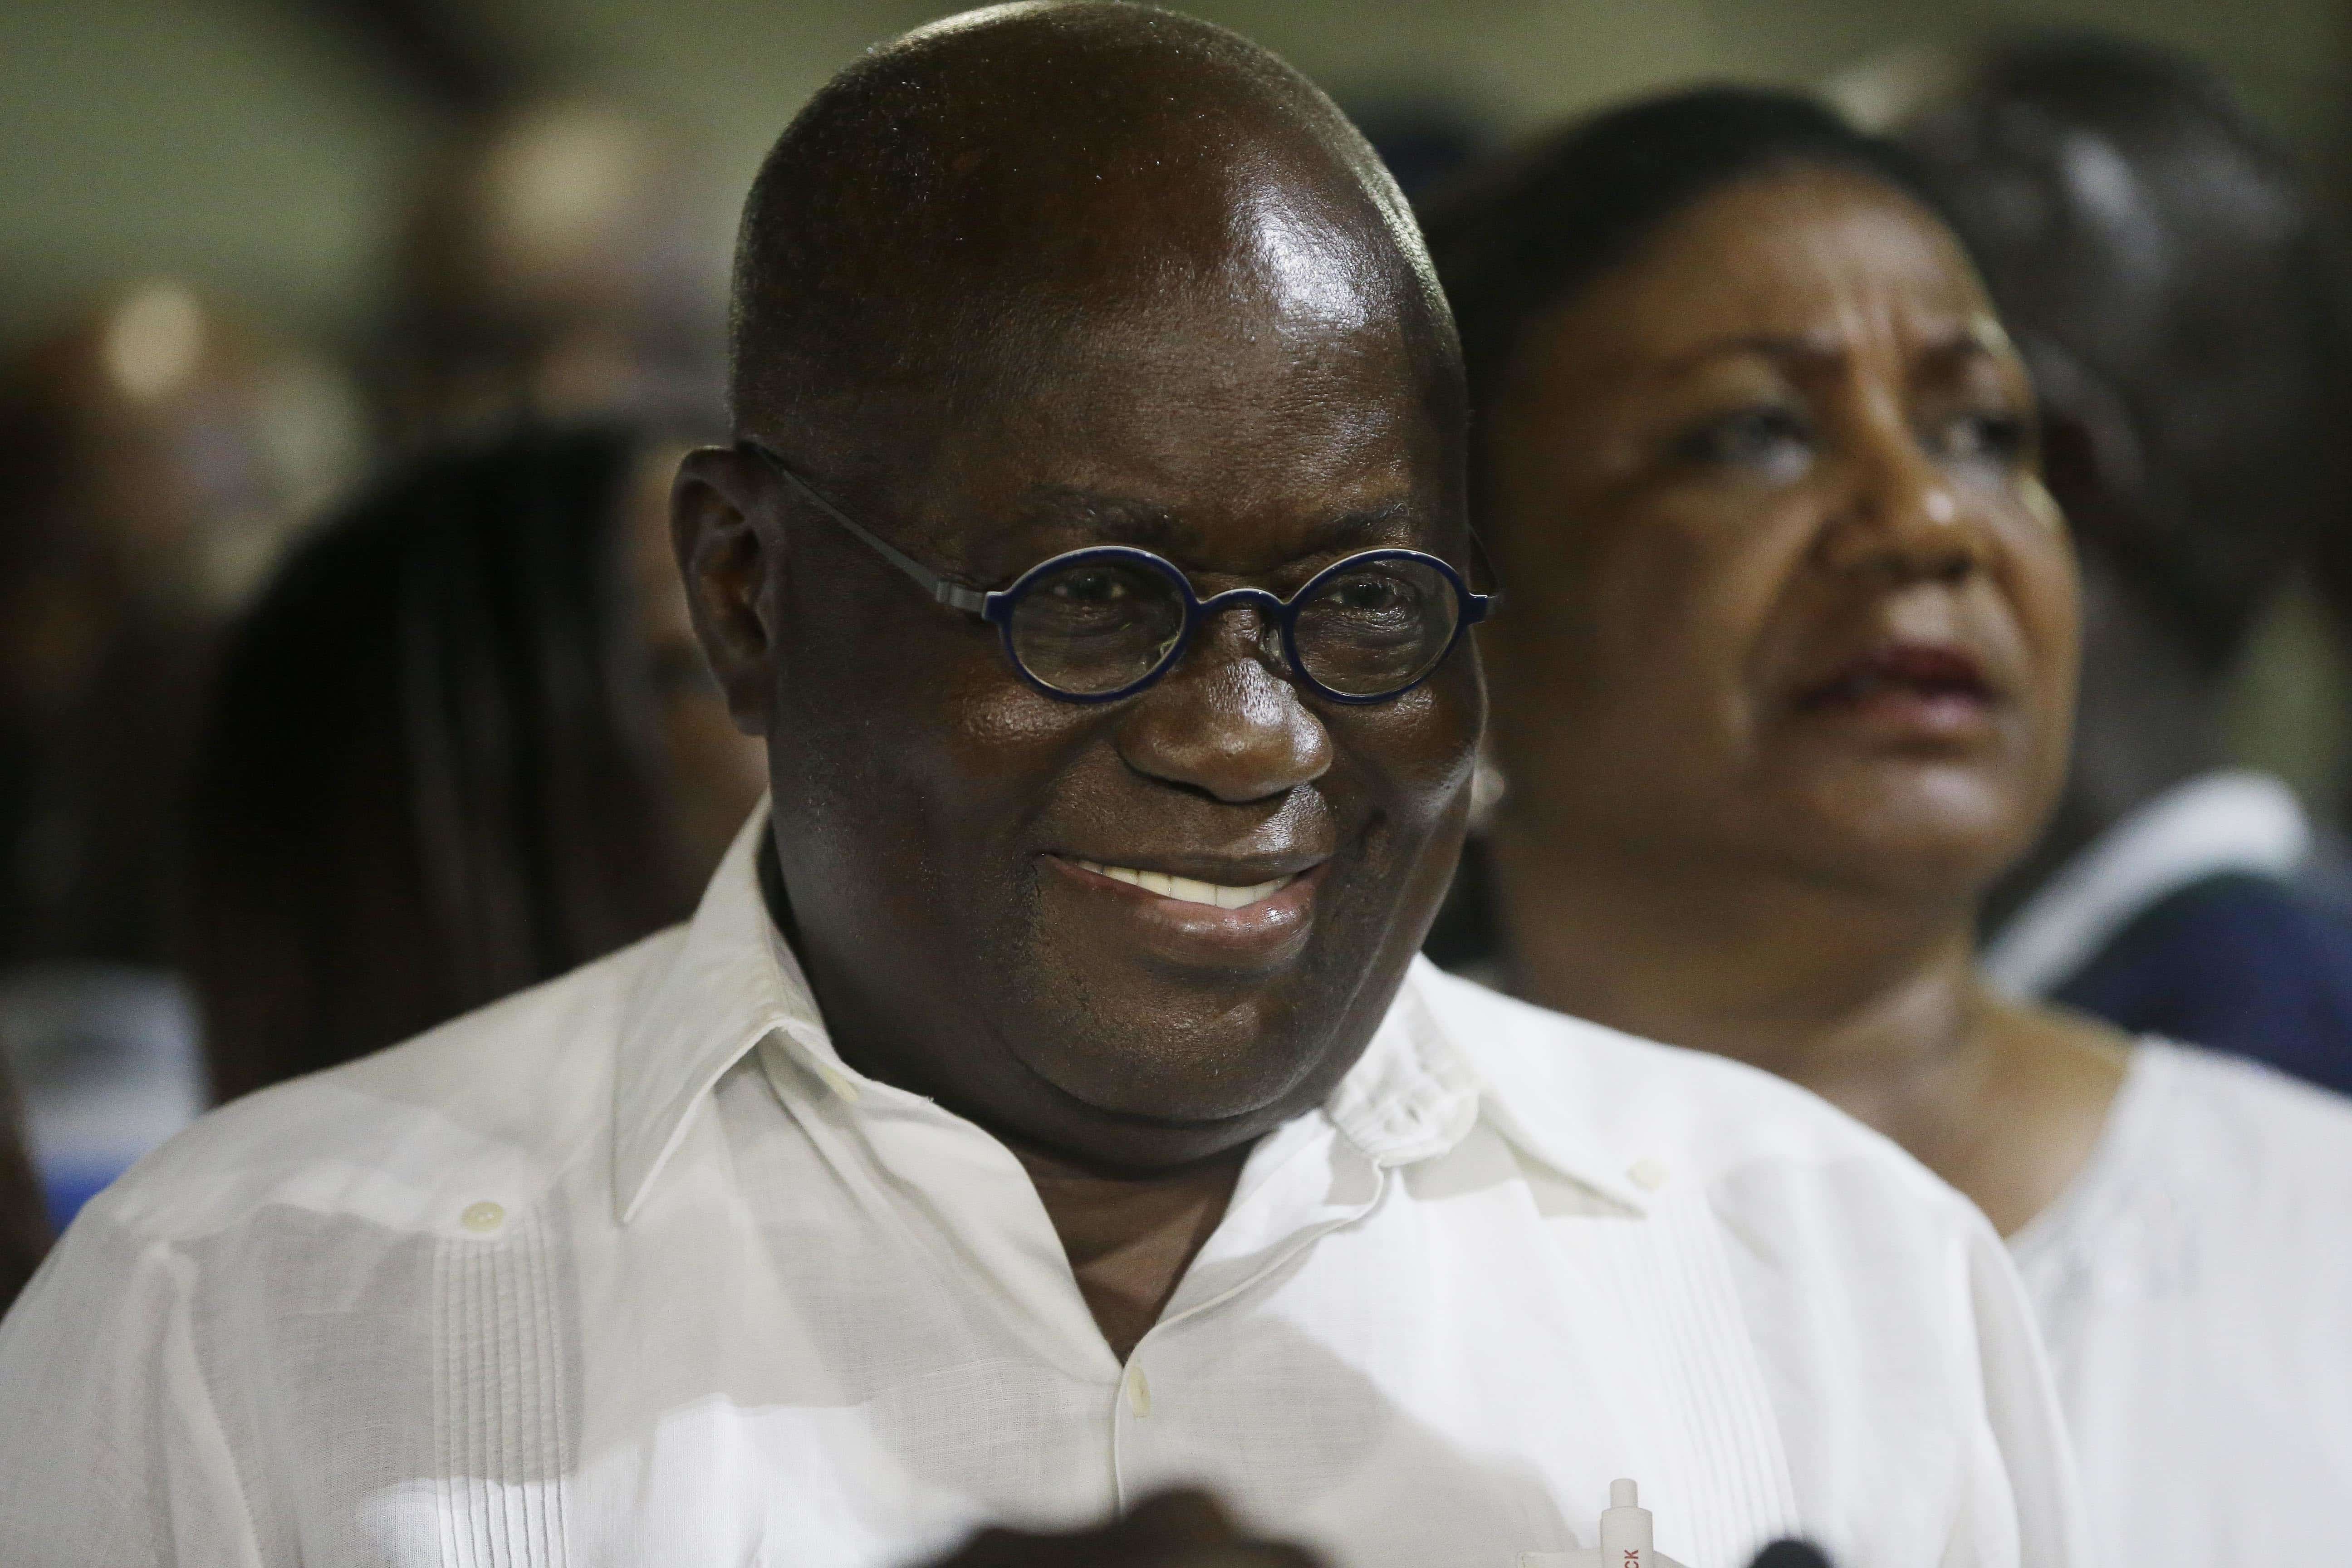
[[255, 147]]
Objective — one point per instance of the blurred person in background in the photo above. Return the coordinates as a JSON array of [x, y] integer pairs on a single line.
[[1784, 686], [464, 743], [155, 460], [2166, 275], [558, 263], [24, 1224], [1424, 140]]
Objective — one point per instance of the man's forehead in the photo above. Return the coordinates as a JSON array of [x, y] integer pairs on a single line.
[[1231, 529], [1259, 236], [1148, 523], [1313, 268]]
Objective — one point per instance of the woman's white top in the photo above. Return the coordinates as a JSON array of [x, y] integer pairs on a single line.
[[633, 1269], [2194, 1287]]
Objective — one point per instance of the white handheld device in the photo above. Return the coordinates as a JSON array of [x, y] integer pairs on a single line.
[[1625, 1529]]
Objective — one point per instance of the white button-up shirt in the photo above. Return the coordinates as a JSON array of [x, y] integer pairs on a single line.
[[632, 1269], [2195, 1284]]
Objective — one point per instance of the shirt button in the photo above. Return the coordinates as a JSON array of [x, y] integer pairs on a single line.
[[1139, 1393], [483, 1217], [1647, 1174]]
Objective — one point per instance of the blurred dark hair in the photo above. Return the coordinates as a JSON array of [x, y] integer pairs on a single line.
[[1520, 236], [2178, 291], [432, 776]]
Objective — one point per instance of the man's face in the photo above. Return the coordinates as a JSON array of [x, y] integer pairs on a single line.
[[946, 831]]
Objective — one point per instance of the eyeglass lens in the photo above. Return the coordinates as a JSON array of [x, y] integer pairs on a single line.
[[1100, 626], [1097, 627], [1377, 629]]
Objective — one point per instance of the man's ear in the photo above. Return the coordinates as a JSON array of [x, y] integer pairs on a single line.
[[730, 557]]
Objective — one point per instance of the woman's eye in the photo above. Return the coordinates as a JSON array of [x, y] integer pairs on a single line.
[[1768, 441], [2001, 438]]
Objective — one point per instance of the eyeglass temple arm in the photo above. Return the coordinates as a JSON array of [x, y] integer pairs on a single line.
[[1488, 603], [955, 596]]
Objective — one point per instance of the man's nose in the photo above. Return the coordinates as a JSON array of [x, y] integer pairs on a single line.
[[1903, 517], [1224, 723]]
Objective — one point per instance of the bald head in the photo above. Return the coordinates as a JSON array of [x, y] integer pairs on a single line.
[[953, 215]]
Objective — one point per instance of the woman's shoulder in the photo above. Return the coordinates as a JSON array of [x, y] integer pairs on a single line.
[[2265, 1123], [2213, 1169]]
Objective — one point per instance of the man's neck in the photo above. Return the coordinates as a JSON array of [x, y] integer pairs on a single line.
[[1870, 1001], [1130, 1238]]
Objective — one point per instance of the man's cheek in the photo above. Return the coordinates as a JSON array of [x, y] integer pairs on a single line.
[[1001, 732], [1420, 772]]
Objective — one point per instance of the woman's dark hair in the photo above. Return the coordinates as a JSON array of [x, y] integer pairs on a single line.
[[1524, 233], [433, 775]]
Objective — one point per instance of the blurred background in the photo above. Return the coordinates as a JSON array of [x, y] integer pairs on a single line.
[[255, 251], [264, 147]]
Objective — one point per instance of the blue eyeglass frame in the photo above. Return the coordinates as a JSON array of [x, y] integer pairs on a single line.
[[996, 606]]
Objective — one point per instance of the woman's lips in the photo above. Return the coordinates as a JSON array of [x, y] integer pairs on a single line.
[[1229, 920], [1920, 689]]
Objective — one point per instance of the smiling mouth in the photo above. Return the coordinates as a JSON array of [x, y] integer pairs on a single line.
[[1189, 889]]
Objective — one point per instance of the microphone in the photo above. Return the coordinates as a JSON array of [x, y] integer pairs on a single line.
[[1625, 1542], [1791, 1555]]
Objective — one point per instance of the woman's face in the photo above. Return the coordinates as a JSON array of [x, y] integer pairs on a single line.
[[1785, 591]]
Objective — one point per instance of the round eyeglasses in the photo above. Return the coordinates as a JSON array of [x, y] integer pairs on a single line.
[[1102, 623]]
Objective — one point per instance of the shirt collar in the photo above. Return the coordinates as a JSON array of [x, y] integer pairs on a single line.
[[731, 983], [734, 981], [1557, 1094], [1412, 1094]]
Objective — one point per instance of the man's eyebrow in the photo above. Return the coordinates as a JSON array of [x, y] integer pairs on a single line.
[[1148, 525], [1359, 528], [1117, 520]]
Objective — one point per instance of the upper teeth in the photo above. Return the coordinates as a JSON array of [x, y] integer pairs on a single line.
[[1185, 890]]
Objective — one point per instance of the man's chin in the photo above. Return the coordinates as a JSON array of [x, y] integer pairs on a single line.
[[1197, 1093], [1183, 1052], [1135, 1096]]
